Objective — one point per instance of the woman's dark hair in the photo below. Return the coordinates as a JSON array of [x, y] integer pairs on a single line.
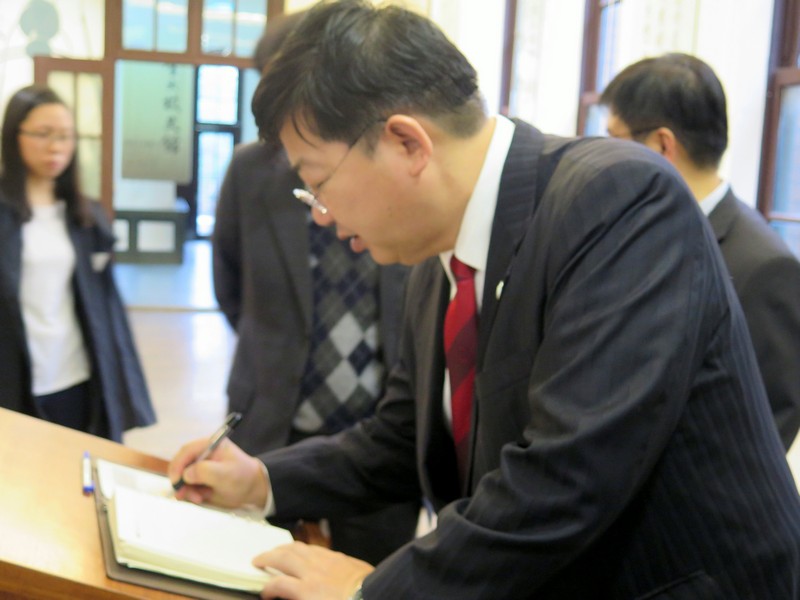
[[13, 174]]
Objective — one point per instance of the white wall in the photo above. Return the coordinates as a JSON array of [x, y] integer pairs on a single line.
[[554, 107], [734, 38], [477, 28], [80, 36]]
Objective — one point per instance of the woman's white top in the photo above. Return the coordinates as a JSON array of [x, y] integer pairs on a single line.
[[55, 342]]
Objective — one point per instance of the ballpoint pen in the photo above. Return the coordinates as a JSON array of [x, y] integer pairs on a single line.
[[231, 421]]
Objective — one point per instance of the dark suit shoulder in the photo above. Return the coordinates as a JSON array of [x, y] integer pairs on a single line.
[[589, 157], [601, 178], [748, 244]]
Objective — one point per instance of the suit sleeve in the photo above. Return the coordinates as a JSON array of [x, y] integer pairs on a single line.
[[771, 305], [226, 248]]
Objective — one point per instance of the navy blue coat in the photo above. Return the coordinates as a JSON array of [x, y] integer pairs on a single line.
[[120, 397]]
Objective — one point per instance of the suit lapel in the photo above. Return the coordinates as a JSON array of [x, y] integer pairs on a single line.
[[515, 205]]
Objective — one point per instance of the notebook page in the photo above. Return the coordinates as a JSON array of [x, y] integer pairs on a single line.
[[182, 539]]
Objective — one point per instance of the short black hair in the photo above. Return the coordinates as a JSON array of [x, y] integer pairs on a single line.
[[13, 174], [678, 91], [275, 33], [349, 64]]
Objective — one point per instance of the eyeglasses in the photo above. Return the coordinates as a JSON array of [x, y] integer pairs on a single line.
[[48, 136], [310, 197]]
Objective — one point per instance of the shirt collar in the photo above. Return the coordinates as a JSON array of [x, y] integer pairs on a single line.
[[709, 203], [474, 235]]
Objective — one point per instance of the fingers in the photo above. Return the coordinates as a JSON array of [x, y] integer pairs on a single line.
[[220, 478], [290, 559], [229, 478], [282, 586], [311, 572], [184, 457]]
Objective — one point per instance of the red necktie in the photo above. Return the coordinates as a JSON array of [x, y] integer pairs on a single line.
[[461, 350]]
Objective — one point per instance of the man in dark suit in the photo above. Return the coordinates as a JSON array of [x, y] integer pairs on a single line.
[[619, 442], [267, 258], [675, 105]]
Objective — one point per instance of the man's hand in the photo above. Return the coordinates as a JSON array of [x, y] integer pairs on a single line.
[[228, 478], [311, 573]]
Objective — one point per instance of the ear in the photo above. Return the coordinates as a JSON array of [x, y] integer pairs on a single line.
[[663, 141], [411, 140]]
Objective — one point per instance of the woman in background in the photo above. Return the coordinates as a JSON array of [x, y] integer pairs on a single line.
[[66, 350]]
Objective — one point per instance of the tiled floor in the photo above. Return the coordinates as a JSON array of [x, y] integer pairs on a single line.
[[186, 357], [187, 286], [186, 347]]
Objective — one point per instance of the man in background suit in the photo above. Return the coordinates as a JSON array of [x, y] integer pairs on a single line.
[[264, 283], [675, 105], [619, 443]]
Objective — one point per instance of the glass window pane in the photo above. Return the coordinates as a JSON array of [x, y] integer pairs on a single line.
[[217, 27], [89, 117], [214, 153], [156, 126], [218, 95], [631, 30], [606, 53], [137, 24], [63, 84], [527, 61], [790, 232], [249, 131], [90, 164], [596, 119], [173, 25], [250, 21], [787, 169]]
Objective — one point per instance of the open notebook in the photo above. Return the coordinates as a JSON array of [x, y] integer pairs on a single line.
[[152, 531]]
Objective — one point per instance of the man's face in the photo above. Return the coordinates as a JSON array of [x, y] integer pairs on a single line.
[[367, 196]]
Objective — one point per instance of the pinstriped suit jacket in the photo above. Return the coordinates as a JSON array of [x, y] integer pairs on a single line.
[[622, 444]]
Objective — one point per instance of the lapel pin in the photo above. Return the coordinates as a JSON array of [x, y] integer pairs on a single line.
[[499, 290]]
